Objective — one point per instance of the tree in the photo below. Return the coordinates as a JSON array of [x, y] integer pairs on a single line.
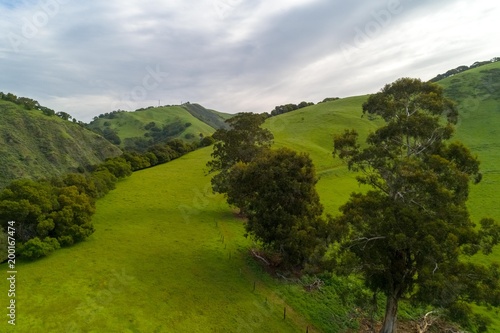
[[241, 143], [47, 215], [409, 233], [111, 135], [118, 166], [277, 191]]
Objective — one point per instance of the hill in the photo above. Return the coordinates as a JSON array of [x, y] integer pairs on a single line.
[[34, 145], [168, 255], [211, 117], [187, 122], [477, 92]]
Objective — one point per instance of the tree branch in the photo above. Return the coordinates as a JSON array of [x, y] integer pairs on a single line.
[[259, 257]]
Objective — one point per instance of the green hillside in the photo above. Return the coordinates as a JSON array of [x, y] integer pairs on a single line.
[[477, 92], [169, 256], [210, 117], [34, 145], [185, 122], [311, 130]]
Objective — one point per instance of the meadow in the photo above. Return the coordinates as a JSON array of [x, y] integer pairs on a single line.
[[169, 256]]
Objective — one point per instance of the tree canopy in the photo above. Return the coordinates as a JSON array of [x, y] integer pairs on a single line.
[[410, 233], [277, 192], [242, 142]]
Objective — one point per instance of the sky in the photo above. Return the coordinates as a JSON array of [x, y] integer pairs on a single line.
[[91, 57]]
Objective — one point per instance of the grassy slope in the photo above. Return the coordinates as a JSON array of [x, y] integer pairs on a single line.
[[213, 118], [478, 94], [311, 129], [34, 145], [131, 124], [156, 263]]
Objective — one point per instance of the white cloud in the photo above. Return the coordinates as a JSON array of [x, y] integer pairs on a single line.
[[232, 55]]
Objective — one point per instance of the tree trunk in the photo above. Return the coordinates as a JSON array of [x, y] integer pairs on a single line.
[[391, 315]]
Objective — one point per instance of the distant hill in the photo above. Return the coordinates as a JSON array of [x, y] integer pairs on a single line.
[[35, 145], [213, 118], [139, 128], [463, 68]]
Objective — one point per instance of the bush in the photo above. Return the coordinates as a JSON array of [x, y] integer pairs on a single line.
[[36, 248]]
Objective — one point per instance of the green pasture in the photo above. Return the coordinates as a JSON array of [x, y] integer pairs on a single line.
[[167, 256]]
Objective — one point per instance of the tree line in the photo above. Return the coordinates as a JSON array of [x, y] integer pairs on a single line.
[[463, 68], [285, 108], [57, 212], [31, 104], [409, 236]]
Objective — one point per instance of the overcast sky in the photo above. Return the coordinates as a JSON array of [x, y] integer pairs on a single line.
[[91, 57]]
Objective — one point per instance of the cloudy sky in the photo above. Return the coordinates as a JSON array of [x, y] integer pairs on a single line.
[[91, 57]]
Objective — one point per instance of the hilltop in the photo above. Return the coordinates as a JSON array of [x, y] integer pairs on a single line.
[[35, 145], [143, 127]]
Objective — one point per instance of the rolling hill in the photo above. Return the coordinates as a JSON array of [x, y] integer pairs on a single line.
[[187, 122], [169, 256], [33, 145]]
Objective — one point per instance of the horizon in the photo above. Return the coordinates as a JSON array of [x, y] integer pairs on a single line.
[[232, 56]]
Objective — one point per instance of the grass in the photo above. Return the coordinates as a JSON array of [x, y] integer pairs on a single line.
[[131, 124], [33, 145], [311, 130], [167, 256]]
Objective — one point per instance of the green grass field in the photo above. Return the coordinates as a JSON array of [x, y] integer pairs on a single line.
[[169, 256]]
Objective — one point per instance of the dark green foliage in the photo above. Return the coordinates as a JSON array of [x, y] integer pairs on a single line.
[[167, 132], [48, 215], [137, 144], [330, 99], [276, 190], [408, 233], [36, 248], [109, 115], [150, 125], [163, 153], [104, 181], [117, 166], [111, 135], [137, 161], [280, 109], [241, 143], [63, 115], [207, 141]]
